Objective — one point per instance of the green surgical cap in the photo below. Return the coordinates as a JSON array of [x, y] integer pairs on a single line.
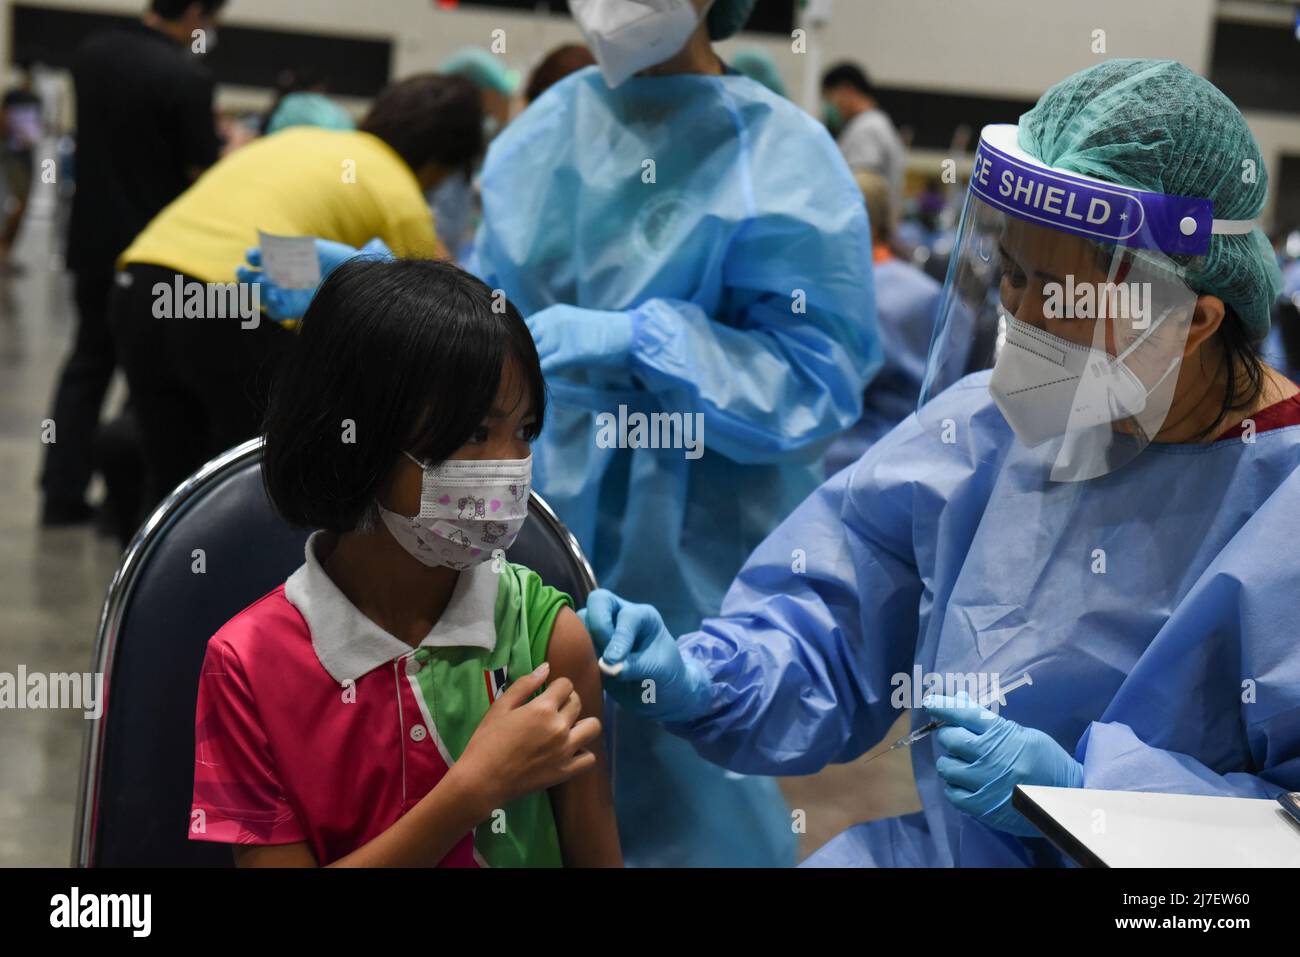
[[484, 69], [726, 17], [309, 109], [1156, 125], [757, 65]]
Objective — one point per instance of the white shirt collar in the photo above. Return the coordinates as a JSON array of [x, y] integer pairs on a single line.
[[350, 645]]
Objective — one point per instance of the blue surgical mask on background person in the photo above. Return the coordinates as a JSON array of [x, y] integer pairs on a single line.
[[452, 202]]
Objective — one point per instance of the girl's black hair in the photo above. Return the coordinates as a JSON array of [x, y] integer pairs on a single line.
[[390, 357]]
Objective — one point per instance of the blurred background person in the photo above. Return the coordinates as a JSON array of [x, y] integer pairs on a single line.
[[1282, 347], [496, 83], [118, 455], [756, 64], [290, 80], [200, 383], [20, 127], [309, 109], [731, 285], [145, 131], [455, 201], [555, 66], [907, 302], [864, 131]]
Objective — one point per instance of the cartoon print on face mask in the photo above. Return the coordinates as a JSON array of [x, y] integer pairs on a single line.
[[457, 537], [493, 531], [459, 527], [420, 544]]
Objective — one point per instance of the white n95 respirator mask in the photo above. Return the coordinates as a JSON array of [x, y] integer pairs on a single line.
[[627, 36], [1048, 387], [468, 509]]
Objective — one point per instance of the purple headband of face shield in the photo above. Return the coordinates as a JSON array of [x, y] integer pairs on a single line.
[[1021, 187]]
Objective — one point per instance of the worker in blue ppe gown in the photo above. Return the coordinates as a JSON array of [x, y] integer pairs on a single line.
[[684, 243], [1111, 509], [907, 303]]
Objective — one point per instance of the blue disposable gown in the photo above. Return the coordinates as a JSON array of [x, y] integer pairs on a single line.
[[907, 302], [1171, 665], [724, 220]]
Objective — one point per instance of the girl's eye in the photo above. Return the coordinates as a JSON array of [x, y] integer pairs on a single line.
[[479, 436], [1012, 275], [527, 433]]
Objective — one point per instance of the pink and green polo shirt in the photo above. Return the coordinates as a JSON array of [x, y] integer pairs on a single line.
[[314, 724]]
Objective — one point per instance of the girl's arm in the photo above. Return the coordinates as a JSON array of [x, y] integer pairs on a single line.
[[541, 741], [420, 838], [583, 805]]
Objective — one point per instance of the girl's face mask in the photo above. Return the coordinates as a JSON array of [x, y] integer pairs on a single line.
[[468, 509]]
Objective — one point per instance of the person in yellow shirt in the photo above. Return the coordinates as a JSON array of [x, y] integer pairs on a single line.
[[197, 351]]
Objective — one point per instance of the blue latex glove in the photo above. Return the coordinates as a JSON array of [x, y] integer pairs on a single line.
[[282, 304], [633, 641], [989, 755], [571, 337]]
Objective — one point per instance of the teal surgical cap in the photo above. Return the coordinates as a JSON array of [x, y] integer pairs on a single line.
[[484, 69], [1156, 125], [309, 109], [726, 17], [757, 65]]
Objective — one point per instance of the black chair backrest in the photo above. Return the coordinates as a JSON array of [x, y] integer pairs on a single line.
[[213, 548]]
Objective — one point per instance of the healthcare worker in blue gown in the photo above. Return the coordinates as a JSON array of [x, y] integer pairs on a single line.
[[1112, 509], [682, 241], [907, 304]]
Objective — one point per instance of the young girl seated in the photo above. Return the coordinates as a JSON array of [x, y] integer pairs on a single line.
[[407, 697]]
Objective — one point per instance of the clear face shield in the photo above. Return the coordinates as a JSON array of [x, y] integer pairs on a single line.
[[1071, 291]]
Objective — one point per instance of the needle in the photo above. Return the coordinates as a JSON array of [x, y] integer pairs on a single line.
[[999, 695]]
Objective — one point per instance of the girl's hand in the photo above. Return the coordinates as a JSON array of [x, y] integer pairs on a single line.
[[524, 745]]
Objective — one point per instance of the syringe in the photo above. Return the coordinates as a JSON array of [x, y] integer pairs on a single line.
[[999, 695]]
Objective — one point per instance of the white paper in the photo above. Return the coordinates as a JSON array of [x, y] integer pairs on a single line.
[[290, 261]]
